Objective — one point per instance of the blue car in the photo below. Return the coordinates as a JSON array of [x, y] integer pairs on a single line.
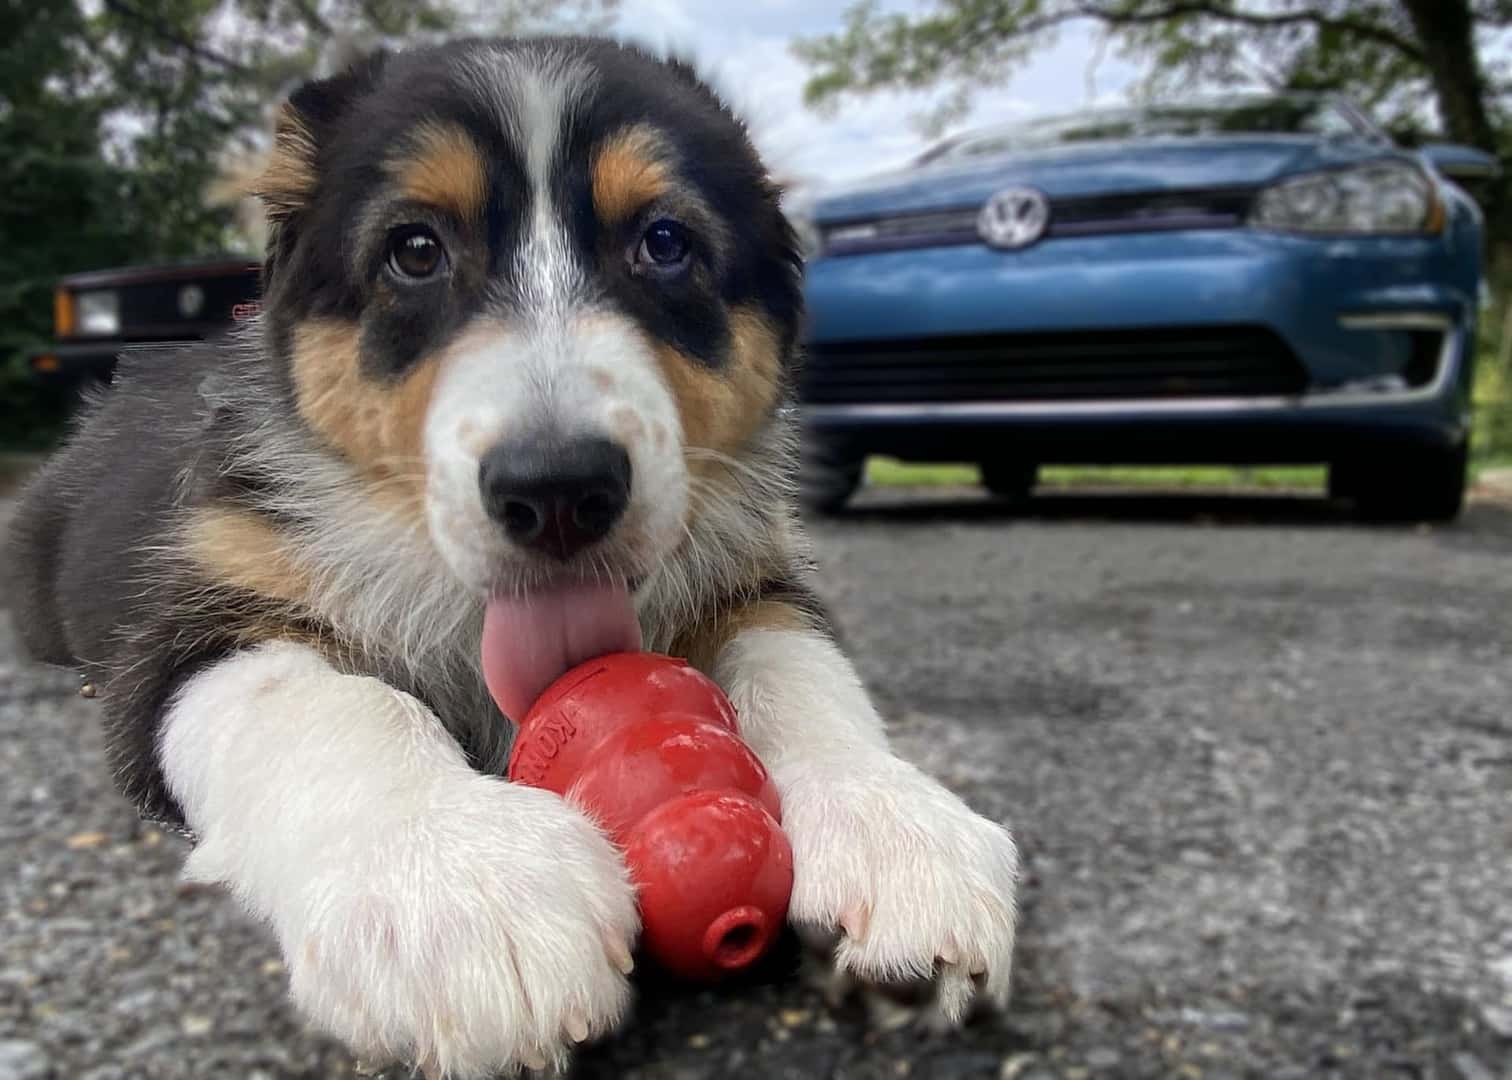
[[1255, 280]]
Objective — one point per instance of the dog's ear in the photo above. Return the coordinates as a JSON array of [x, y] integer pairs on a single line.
[[287, 182]]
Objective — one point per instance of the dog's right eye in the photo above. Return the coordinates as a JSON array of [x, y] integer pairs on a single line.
[[415, 254]]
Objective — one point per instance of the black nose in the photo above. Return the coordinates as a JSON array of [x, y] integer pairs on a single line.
[[556, 496]]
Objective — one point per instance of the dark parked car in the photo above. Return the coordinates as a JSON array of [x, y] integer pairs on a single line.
[[1252, 280], [99, 315]]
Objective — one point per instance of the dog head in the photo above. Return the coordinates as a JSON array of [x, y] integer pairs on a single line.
[[527, 290]]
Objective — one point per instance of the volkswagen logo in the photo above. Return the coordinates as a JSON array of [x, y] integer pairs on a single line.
[[1014, 218]]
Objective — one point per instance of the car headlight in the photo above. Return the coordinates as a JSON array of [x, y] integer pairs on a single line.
[[1382, 197], [98, 312]]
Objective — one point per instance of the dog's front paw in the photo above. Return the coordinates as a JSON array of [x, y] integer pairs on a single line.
[[488, 932], [918, 885]]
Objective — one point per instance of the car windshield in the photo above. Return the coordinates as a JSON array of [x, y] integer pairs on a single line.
[[1261, 116]]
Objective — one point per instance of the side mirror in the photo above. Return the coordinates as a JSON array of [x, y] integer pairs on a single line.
[[1461, 162]]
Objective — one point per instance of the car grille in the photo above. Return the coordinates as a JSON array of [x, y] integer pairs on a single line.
[[152, 310], [1232, 361], [1090, 216]]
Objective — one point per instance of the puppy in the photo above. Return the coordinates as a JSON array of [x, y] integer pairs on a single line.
[[517, 396]]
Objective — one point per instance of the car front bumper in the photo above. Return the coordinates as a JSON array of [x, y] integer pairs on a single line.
[[1348, 309], [72, 363], [1310, 427]]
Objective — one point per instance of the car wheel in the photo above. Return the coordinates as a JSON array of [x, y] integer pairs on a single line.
[[1009, 479], [1421, 484], [827, 476]]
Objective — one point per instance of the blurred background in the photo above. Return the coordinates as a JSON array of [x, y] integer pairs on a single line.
[[128, 124], [1158, 460]]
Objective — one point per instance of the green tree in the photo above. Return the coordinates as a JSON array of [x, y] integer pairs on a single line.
[[1391, 56]]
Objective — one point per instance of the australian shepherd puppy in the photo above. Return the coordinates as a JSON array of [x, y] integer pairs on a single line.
[[517, 396]]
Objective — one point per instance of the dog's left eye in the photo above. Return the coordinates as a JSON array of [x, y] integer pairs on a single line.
[[415, 254], [665, 247]]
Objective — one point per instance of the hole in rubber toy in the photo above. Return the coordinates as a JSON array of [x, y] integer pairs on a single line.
[[736, 938]]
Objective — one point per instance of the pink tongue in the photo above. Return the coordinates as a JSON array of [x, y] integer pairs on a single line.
[[529, 641]]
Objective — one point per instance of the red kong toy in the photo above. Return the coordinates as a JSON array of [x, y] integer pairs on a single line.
[[647, 745]]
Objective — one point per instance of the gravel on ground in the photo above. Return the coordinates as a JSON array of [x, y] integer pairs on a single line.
[[1259, 760]]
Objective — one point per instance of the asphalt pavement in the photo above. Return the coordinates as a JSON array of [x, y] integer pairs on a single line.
[[1258, 758]]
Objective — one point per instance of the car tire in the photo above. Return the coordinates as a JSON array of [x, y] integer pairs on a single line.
[[827, 476], [1009, 479], [1420, 484]]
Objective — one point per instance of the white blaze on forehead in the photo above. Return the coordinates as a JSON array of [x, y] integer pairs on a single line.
[[536, 94], [554, 366]]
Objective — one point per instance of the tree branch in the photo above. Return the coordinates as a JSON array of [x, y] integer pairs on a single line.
[[990, 27], [312, 17], [926, 59], [1207, 9], [173, 37], [371, 11]]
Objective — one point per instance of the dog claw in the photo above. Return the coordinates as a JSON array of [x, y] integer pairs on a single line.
[[954, 991], [577, 1029], [854, 922], [535, 1061], [620, 957]]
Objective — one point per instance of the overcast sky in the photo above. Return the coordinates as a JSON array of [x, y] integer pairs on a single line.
[[743, 48]]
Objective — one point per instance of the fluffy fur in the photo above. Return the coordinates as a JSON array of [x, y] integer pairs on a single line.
[[431, 912], [271, 554]]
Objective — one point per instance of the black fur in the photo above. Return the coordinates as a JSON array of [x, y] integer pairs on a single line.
[[84, 579], [96, 591], [98, 583]]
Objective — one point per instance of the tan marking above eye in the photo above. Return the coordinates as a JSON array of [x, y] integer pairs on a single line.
[[630, 170], [442, 166], [721, 409]]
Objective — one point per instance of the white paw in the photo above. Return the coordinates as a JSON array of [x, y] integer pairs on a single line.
[[490, 930], [918, 884]]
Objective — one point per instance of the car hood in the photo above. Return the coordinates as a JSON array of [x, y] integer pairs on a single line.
[[1087, 169]]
